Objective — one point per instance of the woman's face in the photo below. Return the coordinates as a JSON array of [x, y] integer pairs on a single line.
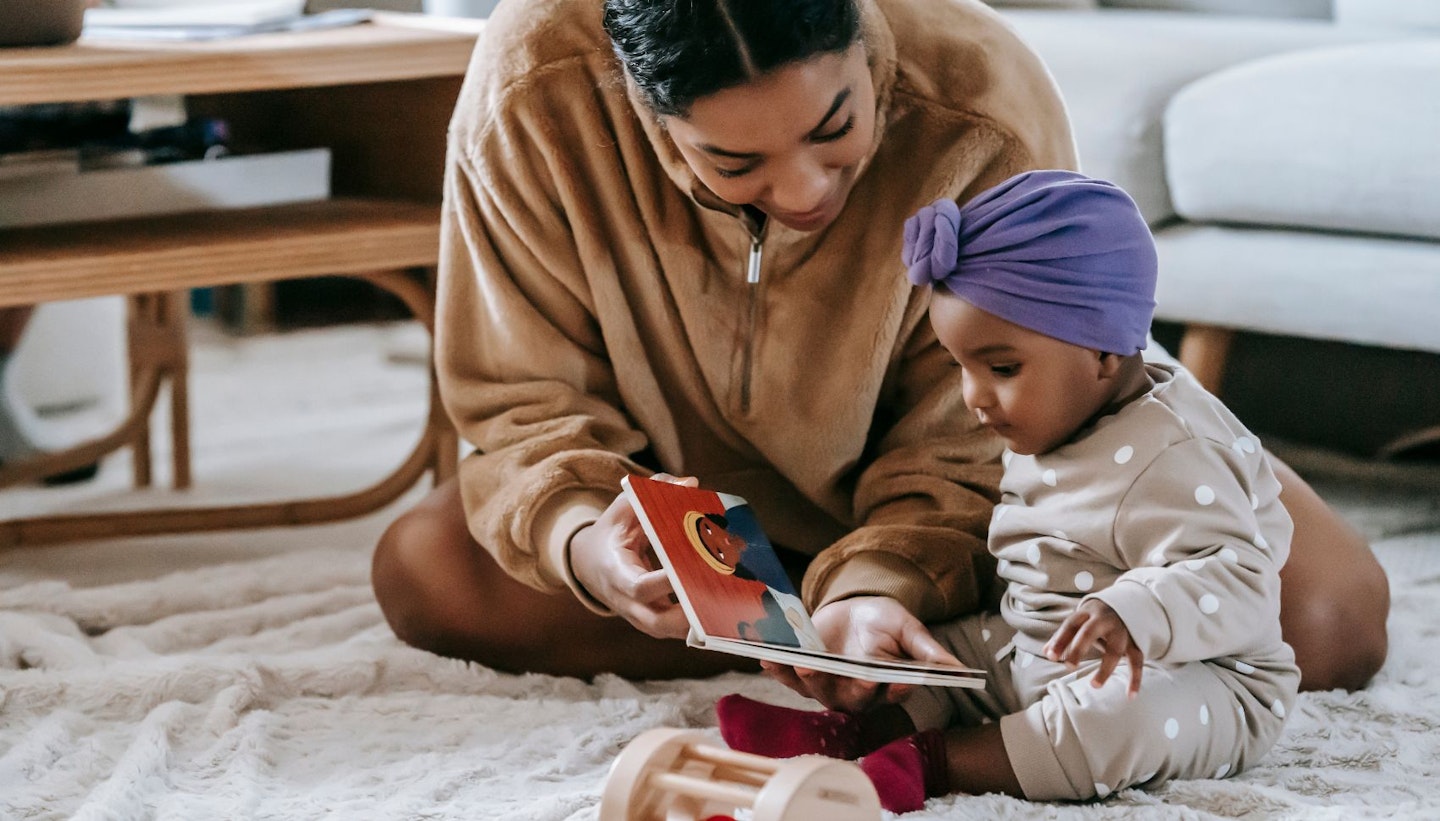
[[789, 142]]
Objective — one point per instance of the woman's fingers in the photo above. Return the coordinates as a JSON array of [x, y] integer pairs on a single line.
[[920, 644]]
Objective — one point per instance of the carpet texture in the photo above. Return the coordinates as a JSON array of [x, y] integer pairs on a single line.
[[239, 676]]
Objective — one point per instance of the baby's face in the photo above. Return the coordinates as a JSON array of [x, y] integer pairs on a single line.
[[1034, 391]]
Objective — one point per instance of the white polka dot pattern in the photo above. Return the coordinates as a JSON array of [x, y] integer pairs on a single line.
[[1228, 555], [1204, 714], [1124, 455], [1172, 728], [1032, 553], [1048, 477], [1224, 768], [1209, 603], [1278, 709], [1101, 790], [1084, 580], [1204, 495], [1243, 669]]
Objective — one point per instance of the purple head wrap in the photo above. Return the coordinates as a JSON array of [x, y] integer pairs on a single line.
[[1053, 251]]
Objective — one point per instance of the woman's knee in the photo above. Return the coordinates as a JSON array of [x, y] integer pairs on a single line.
[[406, 573], [1335, 597], [1341, 641], [1336, 624]]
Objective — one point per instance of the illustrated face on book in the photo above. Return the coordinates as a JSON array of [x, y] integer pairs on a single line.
[[789, 142], [720, 548], [1034, 391]]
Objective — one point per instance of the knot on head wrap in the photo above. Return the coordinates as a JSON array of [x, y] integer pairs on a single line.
[[1057, 252]]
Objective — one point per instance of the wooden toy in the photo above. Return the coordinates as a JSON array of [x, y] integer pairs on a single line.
[[679, 775]]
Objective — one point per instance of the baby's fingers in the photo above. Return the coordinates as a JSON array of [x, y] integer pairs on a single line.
[[1136, 660], [1108, 663], [1059, 643]]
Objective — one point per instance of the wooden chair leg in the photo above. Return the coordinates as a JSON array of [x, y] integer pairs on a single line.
[[140, 312], [1203, 351], [177, 359], [158, 347]]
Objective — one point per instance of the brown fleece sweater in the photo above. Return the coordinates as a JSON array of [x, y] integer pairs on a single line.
[[595, 318]]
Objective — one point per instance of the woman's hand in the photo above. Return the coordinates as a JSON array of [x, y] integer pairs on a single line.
[[873, 626], [1095, 625], [612, 559]]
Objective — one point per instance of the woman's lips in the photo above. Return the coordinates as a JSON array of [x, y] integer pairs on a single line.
[[810, 220]]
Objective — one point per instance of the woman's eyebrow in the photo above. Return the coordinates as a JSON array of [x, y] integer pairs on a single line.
[[839, 100], [834, 107]]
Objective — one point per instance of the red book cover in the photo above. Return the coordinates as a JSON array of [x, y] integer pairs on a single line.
[[726, 567]]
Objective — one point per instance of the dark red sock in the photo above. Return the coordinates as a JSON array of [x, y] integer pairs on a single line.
[[907, 771], [781, 732]]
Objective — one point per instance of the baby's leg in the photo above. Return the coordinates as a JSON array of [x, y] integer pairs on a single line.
[[1198, 720]]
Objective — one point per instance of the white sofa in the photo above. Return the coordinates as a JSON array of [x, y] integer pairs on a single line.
[[1289, 162]]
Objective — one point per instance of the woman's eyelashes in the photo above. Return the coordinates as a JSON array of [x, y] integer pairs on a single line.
[[731, 173], [834, 136], [837, 134]]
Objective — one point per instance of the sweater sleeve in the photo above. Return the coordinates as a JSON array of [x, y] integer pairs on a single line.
[[522, 368], [1205, 566], [924, 500]]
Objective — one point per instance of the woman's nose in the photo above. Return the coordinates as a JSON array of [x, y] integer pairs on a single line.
[[802, 189]]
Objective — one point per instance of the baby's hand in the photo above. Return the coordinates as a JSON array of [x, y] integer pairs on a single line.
[[1094, 624]]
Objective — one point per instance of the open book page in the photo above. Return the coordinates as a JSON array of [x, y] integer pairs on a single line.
[[736, 594]]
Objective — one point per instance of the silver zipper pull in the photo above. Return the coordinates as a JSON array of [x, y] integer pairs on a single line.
[[752, 272]]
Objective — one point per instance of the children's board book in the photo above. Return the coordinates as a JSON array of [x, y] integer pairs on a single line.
[[736, 595]]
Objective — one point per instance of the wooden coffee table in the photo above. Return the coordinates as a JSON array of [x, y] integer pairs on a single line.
[[379, 95]]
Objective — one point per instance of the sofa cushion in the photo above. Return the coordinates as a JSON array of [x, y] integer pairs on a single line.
[[1301, 283], [1262, 8], [1340, 139], [1117, 70]]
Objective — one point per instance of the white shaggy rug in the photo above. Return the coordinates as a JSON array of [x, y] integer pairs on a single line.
[[251, 676]]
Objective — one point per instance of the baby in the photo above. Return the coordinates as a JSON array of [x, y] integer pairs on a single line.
[[1139, 521]]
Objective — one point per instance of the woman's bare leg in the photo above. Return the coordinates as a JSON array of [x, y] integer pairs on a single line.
[[443, 592], [1334, 596]]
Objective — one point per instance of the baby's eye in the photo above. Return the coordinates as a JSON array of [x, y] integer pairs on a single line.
[[1005, 370]]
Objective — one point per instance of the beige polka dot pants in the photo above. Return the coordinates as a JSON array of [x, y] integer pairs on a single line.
[[1068, 740]]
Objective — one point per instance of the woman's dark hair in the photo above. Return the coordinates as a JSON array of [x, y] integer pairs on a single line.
[[678, 51]]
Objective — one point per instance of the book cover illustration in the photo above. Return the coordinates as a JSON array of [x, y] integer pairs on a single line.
[[730, 574], [737, 596]]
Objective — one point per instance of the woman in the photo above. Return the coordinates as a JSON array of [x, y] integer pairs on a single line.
[[690, 265]]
